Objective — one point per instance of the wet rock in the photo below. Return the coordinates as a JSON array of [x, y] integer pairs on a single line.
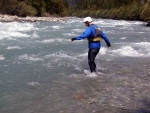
[[148, 24]]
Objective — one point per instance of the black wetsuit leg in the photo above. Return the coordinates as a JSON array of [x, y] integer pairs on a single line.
[[91, 58]]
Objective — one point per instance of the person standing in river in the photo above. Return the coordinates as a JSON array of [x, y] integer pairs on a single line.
[[93, 35]]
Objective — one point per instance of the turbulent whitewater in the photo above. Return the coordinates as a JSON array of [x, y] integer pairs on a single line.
[[42, 71]]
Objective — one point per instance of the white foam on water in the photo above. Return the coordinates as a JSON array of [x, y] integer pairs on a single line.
[[34, 35], [74, 20], [58, 40], [123, 38], [2, 57], [57, 27], [34, 84], [141, 32], [92, 75], [31, 58], [127, 51], [78, 68], [13, 47], [17, 35], [145, 44], [48, 41], [99, 67], [74, 75], [143, 48], [116, 23], [15, 30], [110, 32], [82, 55], [69, 34], [139, 49], [103, 50], [17, 26], [108, 22], [86, 71], [78, 30], [89, 74], [63, 55], [59, 54]]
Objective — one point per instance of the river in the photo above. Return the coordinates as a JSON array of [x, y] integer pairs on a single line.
[[42, 71]]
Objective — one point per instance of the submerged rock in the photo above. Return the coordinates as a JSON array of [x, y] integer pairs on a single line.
[[148, 24]]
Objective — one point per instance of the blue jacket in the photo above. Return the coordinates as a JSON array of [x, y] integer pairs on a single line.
[[89, 33]]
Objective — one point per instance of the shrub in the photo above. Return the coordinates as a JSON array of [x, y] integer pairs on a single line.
[[93, 14], [55, 6], [86, 13], [23, 10], [145, 14], [134, 12]]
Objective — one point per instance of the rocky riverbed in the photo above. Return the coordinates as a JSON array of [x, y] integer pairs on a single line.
[[9, 18]]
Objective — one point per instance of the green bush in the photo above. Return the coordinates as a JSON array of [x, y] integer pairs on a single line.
[[134, 11], [105, 13], [145, 14], [112, 13], [93, 14], [8, 7], [99, 13], [86, 13], [122, 12], [23, 10], [55, 6], [39, 5]]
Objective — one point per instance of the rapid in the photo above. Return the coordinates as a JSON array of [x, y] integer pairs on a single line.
[[42, 71]]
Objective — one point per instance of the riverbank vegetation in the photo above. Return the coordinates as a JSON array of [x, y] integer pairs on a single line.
[[24, 8], [114, 9]]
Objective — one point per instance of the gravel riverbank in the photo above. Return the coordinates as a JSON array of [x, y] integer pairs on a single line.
[[9, 18]]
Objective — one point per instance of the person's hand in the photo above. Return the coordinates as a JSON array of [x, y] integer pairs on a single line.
[[108, 45], [73, 39]]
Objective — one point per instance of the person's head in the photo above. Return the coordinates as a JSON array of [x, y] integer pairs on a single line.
[[88, 21]]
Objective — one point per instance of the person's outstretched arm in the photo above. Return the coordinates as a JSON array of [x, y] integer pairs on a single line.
[[84, 35], [103, 36]]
